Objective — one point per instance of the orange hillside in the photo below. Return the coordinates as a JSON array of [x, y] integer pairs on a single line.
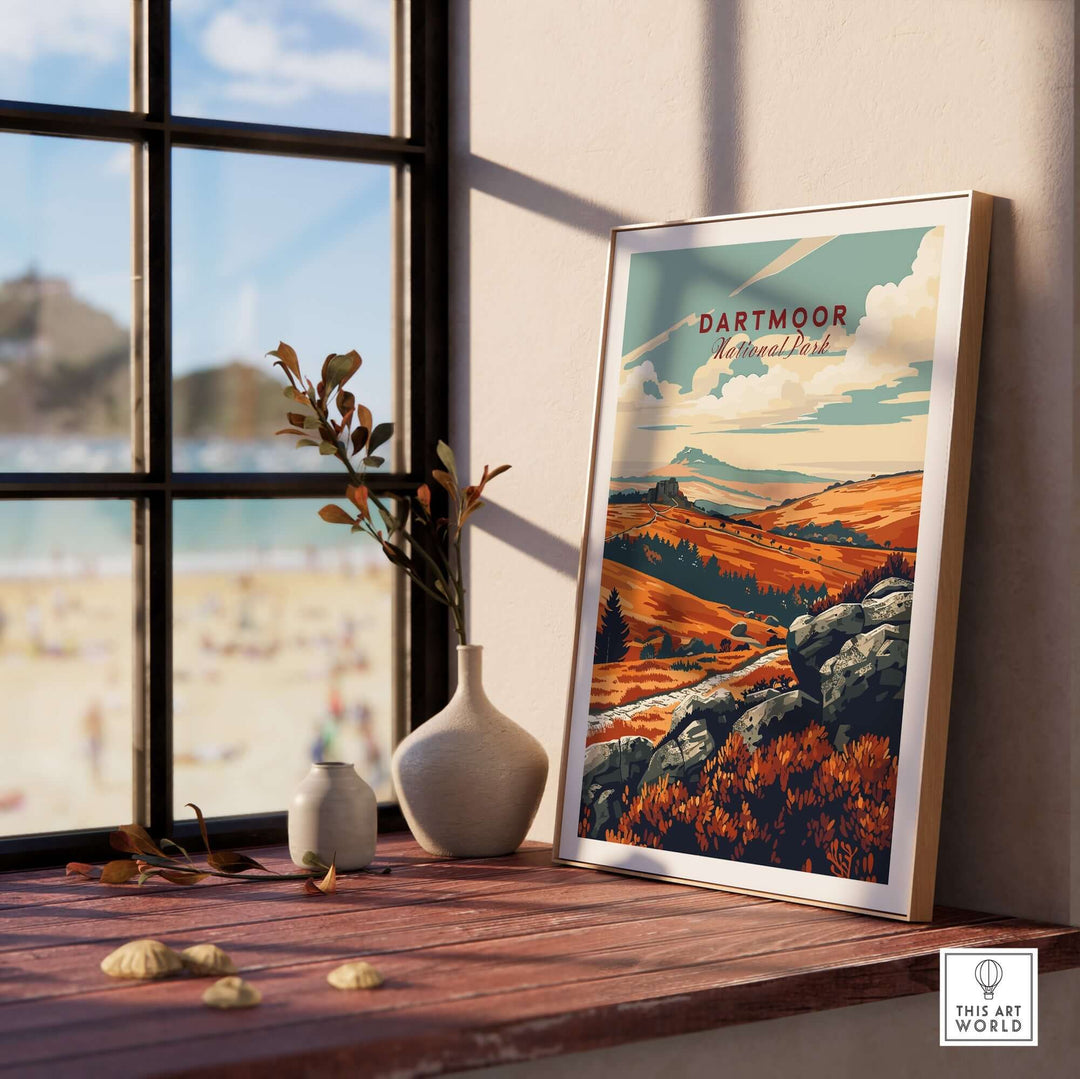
[[886, 508], [647, 602], [778, 561]]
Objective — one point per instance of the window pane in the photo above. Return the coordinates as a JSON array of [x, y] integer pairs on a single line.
[[268, 249], [65, 305], [66, 603], [282, 653], [66, 52], [292, 62]]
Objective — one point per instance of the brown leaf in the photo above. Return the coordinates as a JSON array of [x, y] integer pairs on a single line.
[[363, 417], [232, 861], [134, 839], [79, 869], [202, 824], [446, 455], [396, 555], [182, 876], [423, 496], [359, 437], [325, 886], [358, 496], [296, 418], [383, 432], [497, 471], [287, 359], [335, 515], [445, 480], [469, 510], [291, 431], [337, 370], [120, 871]]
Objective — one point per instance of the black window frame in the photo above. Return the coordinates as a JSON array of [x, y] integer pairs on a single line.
[[423, 155]]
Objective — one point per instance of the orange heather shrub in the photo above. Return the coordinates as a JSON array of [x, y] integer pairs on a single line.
[[794, 802], [896, 565]]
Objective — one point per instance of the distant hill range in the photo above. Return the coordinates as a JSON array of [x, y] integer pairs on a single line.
[[65, 369], [883, 509], [718, 487], [707, 465]]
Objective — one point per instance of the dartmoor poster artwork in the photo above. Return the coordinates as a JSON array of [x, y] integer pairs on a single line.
[[749, 628]]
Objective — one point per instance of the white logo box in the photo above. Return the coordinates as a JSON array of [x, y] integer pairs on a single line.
[[989, 996]]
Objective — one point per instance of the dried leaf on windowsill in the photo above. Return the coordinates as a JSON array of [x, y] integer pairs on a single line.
[[325, 886]]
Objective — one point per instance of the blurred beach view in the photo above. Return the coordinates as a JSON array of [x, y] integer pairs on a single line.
[[282, 655]]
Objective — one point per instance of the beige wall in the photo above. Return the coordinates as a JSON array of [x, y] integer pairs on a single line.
[[570, 116]]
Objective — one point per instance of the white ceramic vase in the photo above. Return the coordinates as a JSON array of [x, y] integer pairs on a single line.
[[469, 780], [333, 813]]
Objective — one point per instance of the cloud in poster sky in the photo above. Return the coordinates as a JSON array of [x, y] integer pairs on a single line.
[[795, 253], [896, 332]]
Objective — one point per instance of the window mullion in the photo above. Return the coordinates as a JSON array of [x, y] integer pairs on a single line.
[[156, 809]]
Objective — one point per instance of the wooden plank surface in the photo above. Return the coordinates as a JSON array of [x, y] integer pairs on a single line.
[[485, 961]]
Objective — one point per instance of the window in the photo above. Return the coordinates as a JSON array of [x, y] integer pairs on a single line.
[[182, 187]]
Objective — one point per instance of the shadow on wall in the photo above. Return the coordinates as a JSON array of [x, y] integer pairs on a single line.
[[593, 216]]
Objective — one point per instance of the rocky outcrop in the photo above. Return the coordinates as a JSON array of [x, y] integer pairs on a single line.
[[895, 608], [851, 660], [618, 762], [781, 714], [717, 711], [607, 811], [683, 756], [888, 587], [739, 629], [812, 639], [863, 685], [668, 493], [609, 768], [699, 727]]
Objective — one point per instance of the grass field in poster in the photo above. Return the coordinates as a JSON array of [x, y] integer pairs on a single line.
[[760, 550]]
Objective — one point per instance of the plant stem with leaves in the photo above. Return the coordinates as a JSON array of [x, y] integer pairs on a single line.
[[433, 559]]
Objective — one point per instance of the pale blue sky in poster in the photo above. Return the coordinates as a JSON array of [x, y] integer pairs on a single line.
[[850, 397]]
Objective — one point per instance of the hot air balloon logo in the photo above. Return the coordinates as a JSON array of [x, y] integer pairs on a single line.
[[988, 974]]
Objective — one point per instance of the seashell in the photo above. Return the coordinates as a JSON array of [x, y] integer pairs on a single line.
[[142, 959], [207, 960], [358, 975], [232, 992]]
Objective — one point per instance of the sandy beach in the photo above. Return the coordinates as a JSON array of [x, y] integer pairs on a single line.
[[273, 668]]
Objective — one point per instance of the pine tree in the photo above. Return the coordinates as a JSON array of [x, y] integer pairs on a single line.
[[614, 632]]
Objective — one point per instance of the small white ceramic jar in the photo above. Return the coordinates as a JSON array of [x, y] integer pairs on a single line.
[[333, 813]]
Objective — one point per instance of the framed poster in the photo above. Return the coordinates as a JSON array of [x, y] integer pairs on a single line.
[[770, 569]]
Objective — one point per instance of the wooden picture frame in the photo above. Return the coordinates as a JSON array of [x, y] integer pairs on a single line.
[[782, 438]]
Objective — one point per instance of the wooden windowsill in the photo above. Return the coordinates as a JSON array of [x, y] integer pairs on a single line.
[[485, 961]]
